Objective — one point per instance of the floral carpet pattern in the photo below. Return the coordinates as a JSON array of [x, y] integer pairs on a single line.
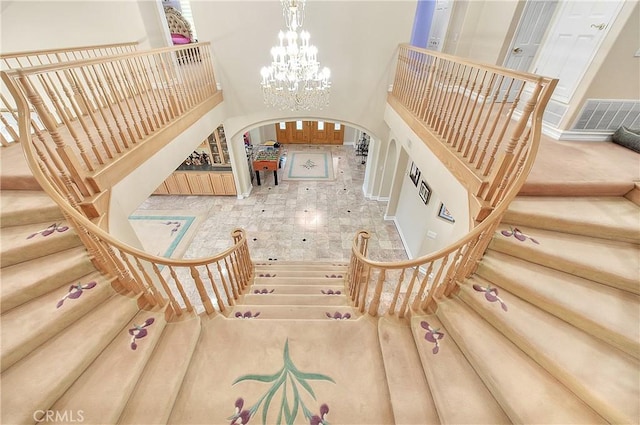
[[292, 384]]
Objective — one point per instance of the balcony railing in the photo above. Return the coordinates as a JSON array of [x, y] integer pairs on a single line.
[[484, 123], [91, 119], [8, 112], [463, 111]]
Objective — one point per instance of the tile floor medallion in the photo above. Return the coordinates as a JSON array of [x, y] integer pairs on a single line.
[[308, 166]]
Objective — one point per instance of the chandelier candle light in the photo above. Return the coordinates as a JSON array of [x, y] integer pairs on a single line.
[[294, 80]]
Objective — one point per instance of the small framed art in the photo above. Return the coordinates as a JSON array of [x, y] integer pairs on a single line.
[[444, 213], [425, 192], [414, 174]]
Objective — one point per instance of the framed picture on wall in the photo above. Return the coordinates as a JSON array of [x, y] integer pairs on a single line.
[[444, 213], [425, 192], [414, 174]]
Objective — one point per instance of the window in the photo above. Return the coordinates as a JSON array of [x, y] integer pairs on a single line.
[[298, 125], [337, 126], [320, 125], [283, 126]]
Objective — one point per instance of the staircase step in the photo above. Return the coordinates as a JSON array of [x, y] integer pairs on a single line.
[[292, 280], [608, 313], [24, 243], [302, 274], [296, 289], [25, 281], [21, 207], [104, 388], [303, 266], [602, 217], [26, 327], [39, 379], [601, 375], [525, 391], [411, 398], [458, 392], [294, 299], [305, 312], [634, 194], [160, 382], [345, 351], [609, 262], [14, 171]]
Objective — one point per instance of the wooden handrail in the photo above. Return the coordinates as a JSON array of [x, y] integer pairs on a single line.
[[38, 57], [438, 95], [96, 114], [477, 118], [159, 281]]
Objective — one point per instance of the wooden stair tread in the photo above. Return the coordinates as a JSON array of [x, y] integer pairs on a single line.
[[27, 280], [608, 313], [39, 379], [158, 386], [18, 247], [409, 392], [295, 299], [609, 262], [604, 217], [104, 388], [306, 312], [458, 392], [19, 207], [525, 391], [604, 377], [26, 327]]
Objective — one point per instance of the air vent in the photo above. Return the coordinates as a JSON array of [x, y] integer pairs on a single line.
[[608, 115]]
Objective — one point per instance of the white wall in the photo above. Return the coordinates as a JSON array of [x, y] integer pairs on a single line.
[[356, 39], [413, 218], [38, 25], [134, 189]]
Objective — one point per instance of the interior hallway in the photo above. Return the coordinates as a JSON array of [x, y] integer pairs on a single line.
[[296, 220]]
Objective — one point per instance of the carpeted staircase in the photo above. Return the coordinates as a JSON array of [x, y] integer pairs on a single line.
[[546, 331]]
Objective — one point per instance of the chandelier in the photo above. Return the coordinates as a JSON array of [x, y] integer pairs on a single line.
[[294, 79]]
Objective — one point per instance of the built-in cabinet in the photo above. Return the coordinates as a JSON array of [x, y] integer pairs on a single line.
[[310, 132], [207, 171]]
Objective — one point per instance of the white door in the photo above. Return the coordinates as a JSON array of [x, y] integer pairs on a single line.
[[532, 26], [439, 25], [572, 42]]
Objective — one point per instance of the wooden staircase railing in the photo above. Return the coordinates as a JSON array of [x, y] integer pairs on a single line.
[[138, 93], [470, 116], [8, 112], [100, 117], [477, 118]]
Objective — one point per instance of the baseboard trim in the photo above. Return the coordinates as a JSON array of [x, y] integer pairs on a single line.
[[404, 241], [572, 135]]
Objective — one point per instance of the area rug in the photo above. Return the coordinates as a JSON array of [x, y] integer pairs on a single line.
[[165, 233], [304, 166]]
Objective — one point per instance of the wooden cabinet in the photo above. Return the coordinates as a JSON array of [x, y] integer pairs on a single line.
[[198, 183], [207, 171]]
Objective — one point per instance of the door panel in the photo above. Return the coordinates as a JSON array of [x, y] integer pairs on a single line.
[[573, 41], [310, 132]]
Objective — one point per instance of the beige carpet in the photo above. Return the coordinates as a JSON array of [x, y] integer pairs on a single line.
[[285, 368], [166, 233], [306, 166]]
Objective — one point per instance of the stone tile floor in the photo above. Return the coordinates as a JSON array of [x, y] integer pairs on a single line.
[[296, 220]]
